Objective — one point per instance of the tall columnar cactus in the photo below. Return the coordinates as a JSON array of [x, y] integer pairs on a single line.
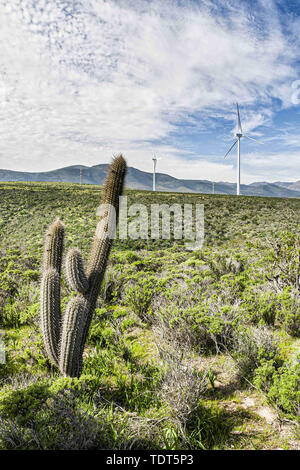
[[65, 336]]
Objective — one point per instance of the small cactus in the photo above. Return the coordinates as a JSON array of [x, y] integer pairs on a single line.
[[64, 338]]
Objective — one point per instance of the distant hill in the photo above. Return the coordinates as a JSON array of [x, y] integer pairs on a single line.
[[294, 186], [137, 179]]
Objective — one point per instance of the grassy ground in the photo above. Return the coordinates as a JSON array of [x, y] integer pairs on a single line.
[[187, 350]]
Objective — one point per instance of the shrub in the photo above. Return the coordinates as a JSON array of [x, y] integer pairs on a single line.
[[62, 424], [182, 384], [215, 323], [264, 374], [289, 315], [284, 254], [252, 347], [285, 390], [261, 307], [112, 286], [139, 295], [24, 403]]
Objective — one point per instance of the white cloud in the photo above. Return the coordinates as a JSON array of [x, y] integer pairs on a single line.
[[84, 80], [283, 166]]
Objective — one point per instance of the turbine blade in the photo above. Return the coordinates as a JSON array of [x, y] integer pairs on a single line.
[[231, 148], [239, 119], [255, 140]]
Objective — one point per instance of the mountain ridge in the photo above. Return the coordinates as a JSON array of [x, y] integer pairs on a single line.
[[138, 179]]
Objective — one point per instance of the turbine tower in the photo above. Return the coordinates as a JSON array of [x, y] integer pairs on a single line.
[[239, 135], [154, 172]]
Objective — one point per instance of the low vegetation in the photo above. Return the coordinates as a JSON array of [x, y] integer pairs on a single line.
[[186, 350]]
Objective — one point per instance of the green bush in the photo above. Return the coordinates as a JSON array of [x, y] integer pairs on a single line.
[[285, 389], [252, 348], [264, 375], [214, 323], [261, 307], [140, 293], [284, 254], [24, 403], [289, 315]]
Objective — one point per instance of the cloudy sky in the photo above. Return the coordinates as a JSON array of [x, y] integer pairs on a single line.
[[83, 80]]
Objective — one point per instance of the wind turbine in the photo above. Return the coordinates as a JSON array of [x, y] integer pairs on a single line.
[[239, 135], [155, 160]]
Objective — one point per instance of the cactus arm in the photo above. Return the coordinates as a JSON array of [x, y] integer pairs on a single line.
[[50, 313], [53, 248], [70, 356], [103, 240], [102, 243], [75, 273]]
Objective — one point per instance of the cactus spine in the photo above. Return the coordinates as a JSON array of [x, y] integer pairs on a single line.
[[65, 338]]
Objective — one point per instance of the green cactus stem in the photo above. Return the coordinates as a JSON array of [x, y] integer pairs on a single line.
[[54, 244], [75, 272], [71, 344], [65, 340], [50, 313]]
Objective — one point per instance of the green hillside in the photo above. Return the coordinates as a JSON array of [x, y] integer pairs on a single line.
[[187, 349]]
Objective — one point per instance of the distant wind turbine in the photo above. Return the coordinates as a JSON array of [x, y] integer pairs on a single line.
[[239, 135], [155, 160]]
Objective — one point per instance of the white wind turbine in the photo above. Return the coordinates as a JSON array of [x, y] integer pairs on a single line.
[[239, 135], [155, 160]]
